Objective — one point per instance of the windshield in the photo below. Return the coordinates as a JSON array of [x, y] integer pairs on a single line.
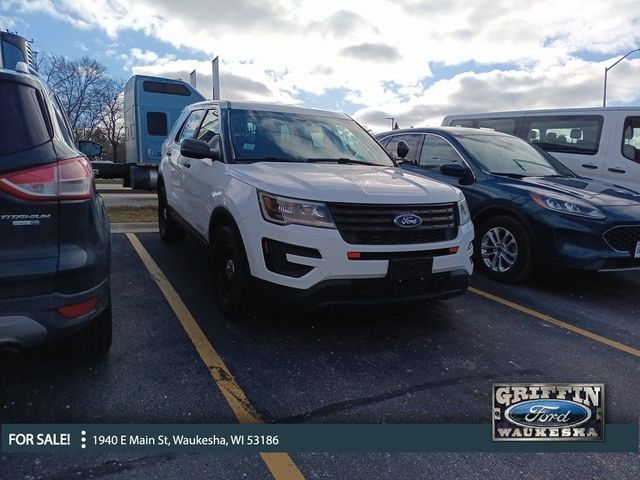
[[506, 155], [293, 137]]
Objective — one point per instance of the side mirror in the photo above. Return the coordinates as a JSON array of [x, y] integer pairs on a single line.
[[89, 148], [402, 149], [455, 170], [194, 148]]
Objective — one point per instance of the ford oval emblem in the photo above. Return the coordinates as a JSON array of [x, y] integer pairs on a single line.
[[408, 220], [547, 413]]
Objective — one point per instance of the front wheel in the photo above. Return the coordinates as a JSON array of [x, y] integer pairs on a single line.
[[503, 250], [170, 231], [231, 272]]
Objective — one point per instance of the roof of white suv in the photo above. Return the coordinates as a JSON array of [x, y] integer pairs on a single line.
[[269, 107]]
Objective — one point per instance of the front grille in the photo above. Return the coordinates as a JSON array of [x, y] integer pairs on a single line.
[[374, 224], [623, 239]]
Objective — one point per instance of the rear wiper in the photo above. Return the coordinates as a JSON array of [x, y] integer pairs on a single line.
[[341, 160]]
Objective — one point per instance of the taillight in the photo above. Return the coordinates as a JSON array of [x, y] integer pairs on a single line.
[[65, 180]]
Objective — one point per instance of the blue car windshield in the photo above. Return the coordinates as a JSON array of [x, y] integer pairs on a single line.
[[259, 135], [506, 155]]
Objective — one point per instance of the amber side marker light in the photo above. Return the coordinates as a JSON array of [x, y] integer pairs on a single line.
[[76, 310]]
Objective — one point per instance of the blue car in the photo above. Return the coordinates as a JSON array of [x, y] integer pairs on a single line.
[[527, 207]]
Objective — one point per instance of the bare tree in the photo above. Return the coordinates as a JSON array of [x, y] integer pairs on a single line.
[[111, 116], [92, 99], [79, 83]]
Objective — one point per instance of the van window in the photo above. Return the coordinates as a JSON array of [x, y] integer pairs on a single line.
[[631, 139], [463, 122], [22, 118], [157, 123], [504, 125], [564, 133]]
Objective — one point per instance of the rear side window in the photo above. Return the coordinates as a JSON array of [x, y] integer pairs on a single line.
[[413, 140], [11, 55], [564, 133], [23, 124], [631, 139]]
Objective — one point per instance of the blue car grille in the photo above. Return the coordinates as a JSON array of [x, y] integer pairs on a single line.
[[623, 239]]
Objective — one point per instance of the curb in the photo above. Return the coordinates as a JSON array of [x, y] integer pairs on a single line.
[[146, 227]]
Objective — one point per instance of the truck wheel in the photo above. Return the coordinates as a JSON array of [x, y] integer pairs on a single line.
[[170, 231], [231, 273], [94, 340], [503, 250]]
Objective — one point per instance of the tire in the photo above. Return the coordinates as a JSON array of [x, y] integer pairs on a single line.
[[503, 250], [94, 340], [170, 232], [231, 273]]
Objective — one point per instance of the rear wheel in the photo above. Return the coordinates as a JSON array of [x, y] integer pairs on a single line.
[[170, 231], [231, 272], [503, 250], [94, 340]]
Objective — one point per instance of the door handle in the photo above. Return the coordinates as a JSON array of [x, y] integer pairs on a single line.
[[590, 166], [617, 170]]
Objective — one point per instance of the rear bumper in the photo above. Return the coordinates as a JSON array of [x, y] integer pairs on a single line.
[[376, 291], [31, 321]]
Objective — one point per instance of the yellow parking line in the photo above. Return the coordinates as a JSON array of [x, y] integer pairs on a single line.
[[280, 464], [567, 326]]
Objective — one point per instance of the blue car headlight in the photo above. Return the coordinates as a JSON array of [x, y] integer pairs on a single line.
[[568, 205]]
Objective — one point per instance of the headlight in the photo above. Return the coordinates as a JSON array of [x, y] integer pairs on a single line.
[[463, 211], [567, 205], [288, 211]]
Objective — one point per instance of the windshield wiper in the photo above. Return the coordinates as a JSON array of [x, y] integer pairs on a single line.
[[266, 159], [511, 175], [342, 161]]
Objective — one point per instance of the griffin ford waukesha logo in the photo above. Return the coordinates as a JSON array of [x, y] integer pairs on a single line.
[[407, 220], [548, 412]]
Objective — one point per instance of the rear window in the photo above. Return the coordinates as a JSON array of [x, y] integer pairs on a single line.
[[22, 119]]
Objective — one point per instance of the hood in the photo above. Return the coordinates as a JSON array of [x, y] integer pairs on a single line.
[[329, 182], [597, 193]]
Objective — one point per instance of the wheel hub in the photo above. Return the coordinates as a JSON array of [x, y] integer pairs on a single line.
[[499, 249], [229, 269]]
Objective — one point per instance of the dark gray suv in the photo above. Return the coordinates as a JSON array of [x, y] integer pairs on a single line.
[[54, 229]]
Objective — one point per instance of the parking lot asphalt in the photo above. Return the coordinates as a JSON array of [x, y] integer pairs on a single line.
[[434, 364]]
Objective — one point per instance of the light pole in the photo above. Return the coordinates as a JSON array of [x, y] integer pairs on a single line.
[[392, 119], [606, 70]]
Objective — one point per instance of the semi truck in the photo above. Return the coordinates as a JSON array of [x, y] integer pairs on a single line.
[[151, 107]]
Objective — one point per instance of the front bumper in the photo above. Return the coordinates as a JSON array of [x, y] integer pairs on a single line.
[[364, 291], [580, 243], [30, 321], [333, 264]]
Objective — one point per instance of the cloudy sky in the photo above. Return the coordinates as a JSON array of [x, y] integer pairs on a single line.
[[415, 60]]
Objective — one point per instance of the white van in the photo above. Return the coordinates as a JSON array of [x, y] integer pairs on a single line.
[[599, 143]]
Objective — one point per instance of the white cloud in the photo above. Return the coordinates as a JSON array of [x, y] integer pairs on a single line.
[[382, 53]]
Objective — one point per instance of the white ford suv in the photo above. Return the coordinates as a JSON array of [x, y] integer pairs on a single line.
[[304, 206]]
